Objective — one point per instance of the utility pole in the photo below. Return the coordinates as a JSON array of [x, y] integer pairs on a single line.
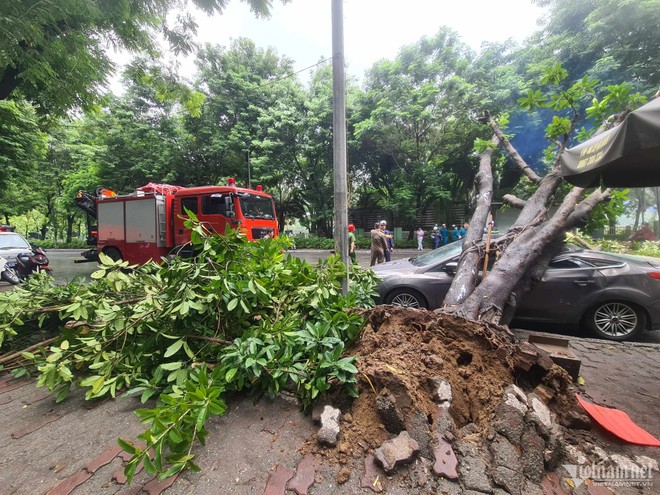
[[339, 137]]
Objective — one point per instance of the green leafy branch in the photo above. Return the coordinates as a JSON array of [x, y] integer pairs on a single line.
[[244, 313]]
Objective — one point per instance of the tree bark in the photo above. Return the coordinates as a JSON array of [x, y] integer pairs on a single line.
[[467, 272], [488, 300], [514, 201], [513, 153], [70, 219], [529, 279]]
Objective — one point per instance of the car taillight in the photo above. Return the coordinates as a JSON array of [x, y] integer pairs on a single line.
[[655, 275]]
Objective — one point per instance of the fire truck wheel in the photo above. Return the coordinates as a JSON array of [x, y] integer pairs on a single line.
[[113, 254]]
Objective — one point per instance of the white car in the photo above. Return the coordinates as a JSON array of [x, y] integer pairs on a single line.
[[11, 245]]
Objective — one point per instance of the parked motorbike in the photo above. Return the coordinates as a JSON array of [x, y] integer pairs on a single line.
[[33, 262], [7, 273]]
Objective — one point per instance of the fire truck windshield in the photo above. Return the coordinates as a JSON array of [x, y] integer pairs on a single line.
[[254, 206]]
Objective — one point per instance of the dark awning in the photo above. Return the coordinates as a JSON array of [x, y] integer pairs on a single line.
[[625, 156]]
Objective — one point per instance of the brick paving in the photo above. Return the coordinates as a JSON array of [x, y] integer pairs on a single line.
[[623, 375]]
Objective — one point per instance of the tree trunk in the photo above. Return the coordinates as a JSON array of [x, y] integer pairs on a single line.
[[70, 219], [8, 82], [467, 273], [488, 300], [526, 248]]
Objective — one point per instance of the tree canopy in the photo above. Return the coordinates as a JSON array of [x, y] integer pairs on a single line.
[[54, 53], [412, 122]]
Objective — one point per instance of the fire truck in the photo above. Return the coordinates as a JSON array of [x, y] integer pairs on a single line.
[[148, 224]]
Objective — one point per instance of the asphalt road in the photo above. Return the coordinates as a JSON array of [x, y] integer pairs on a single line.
[[66, 269]]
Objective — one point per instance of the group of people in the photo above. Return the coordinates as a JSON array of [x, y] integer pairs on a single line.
[[441, 235], [382, 240], [382, 243]]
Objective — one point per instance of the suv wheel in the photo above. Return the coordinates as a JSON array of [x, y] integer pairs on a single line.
[[406, 298], [615, 320]]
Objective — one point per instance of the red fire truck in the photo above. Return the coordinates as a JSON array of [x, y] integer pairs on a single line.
[[148, 223]]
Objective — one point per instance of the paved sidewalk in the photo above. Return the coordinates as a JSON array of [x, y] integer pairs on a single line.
[[624, 375], [255, 448]]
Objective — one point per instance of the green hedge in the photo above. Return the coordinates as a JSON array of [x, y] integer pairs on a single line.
[[50, 244], [362, 242]]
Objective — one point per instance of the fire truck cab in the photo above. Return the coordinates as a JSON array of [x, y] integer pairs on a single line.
[[148, 224]]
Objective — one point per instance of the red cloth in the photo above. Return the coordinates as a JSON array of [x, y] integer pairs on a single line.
[[619, 423], [154, 187], [643, 234]]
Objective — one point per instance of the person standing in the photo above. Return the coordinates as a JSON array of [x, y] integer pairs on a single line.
[[462, 232], [435, 235], [378, 245], [390, 240], [454, 233], [351, 243], [420, 239], [444, 233]]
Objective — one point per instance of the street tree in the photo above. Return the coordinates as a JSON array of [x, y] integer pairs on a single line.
[[22, 145], [240, 84], [140, 135], [414, 124], [612, 40]]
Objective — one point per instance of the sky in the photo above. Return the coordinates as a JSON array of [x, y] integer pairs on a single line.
[[373, 29]]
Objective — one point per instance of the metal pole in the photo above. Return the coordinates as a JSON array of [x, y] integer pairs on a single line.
[[339, 136]]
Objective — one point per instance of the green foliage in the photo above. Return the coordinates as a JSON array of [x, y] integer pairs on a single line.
[[51, 244], [22, 145], [646, 248], [617, 99], [53, 50], [612, 40], [314, 242], [252, 316], [605, 214], [415, 127], [361, 242]]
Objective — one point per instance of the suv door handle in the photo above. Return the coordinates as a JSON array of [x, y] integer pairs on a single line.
[[583, 283]]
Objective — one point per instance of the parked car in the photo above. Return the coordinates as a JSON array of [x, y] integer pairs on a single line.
[[11, 245], [613, 296]]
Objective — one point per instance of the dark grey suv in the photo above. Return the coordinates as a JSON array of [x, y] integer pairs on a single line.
[[613, 296]]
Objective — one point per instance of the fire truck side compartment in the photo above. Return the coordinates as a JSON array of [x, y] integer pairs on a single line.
[[111, 220], [141, 221]]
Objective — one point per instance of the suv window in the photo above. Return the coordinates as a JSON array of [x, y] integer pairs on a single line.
[[567, 263], [601, 263]]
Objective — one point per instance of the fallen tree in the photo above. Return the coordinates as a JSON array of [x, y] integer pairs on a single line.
[[241, 316], [535, 237]]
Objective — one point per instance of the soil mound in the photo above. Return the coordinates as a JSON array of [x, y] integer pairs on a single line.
[[407, 352], [463, 400]]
